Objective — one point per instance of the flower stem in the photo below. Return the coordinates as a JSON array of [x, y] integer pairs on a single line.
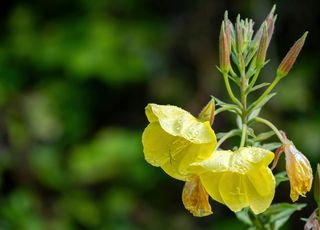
[[229, 134], [253, 81], [243, 135], [226, 81], [271, 126]]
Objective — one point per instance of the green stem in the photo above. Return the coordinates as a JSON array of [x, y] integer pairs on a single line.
[[226, 81], [253, 81], [271, 126], [273, 84], [229, 134], [243, 135]]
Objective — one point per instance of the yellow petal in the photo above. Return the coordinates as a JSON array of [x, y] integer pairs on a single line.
[[179, 122], [233, 192], [195, 198], [260, 187], [240, 161], [211, 183], [156, 144]]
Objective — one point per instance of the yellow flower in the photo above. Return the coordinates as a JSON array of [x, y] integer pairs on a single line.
[[174, 139], [239, 179], [298, 169]]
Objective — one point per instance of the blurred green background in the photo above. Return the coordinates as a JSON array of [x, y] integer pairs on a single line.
[[75, 77]]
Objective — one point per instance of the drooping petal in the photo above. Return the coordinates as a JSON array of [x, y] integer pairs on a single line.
[[179, 122], [195, 198], [298, 170], [260, 187]]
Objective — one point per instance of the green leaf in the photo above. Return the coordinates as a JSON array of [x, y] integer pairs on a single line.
[[264, 136], [244, 216], [271, 146], [259, 86], [254, 114], [277, 214], [281, 177], [265, 100]]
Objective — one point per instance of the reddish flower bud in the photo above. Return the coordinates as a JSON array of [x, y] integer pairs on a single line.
[[224, 50], [288, 61], [263, 46]]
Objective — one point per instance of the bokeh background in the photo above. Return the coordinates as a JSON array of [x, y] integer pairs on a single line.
[[75, 77]]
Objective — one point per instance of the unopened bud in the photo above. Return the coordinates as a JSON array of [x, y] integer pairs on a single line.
[[263, 46], [270, 21], [288, 61], [207, 113], [317, 185], [224, 50], [239, 35]]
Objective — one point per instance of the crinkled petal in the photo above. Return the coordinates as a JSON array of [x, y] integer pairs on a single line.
[[240, 161], [195, 198], [179, 122]]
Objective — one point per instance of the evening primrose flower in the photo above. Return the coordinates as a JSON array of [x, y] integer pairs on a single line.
[[239, 179], [174, 139], [298, 169]]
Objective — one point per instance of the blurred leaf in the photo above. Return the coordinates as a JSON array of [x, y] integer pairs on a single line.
[[278, 214], [281, 177], [109, 155]]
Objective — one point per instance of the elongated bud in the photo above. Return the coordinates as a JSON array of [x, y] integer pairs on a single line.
[[261, 55], [270, 20], [228, 28], [288, 61], [239, 35], [207, 113], [224, 50], [317, 186]]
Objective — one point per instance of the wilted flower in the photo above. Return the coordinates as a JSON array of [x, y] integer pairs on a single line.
[[195, 197], [239, 179], [312, 222], [298, 169]]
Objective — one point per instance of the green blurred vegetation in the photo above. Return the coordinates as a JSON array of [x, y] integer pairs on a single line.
[[74, 79]]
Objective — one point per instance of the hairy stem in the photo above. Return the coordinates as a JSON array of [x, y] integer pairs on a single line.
[[271, 126]]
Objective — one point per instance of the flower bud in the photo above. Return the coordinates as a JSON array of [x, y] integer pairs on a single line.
[[288, 61], [224, 50], [195, 198], [298, 170], [239, 35], [261, 55], [207, 113]]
